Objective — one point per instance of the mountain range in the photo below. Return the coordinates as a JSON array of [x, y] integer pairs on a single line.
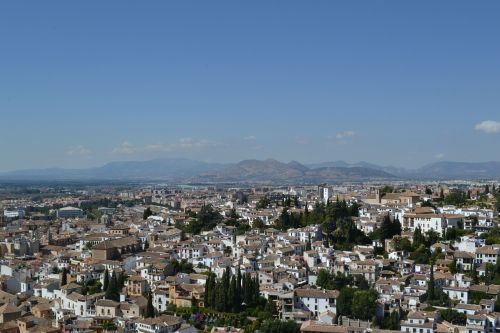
[[270, 170]]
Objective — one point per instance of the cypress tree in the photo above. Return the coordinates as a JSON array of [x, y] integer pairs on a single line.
[[106, 280], [206, 294], [244, 289], [150, 310], [256, 291], [237, 296], [475, 278], [64, 278], [231, 295], [213, 291], [417, 237], [112, 292], [430, 287], [121, 281], [248, 289], [225, 287], [220, 298], [386, 228]]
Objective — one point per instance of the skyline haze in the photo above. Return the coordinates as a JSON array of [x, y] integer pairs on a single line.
[[401, 84]]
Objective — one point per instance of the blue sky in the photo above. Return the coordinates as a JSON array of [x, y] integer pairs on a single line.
[[390, 82]]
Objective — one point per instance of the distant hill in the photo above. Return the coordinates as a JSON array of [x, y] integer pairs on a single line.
[[270, 170], [400, 172], [274, 171], [156, 169], [434, 171], [462, 170], [168, 169]]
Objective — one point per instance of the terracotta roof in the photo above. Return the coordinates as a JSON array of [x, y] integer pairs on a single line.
[[8, 308], [316, 293], [107, 303], [315, 326], [161, 320]]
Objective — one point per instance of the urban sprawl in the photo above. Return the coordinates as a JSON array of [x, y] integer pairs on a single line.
[[349, 258]]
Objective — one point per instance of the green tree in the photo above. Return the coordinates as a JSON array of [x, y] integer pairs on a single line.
[[206, 294], [453, 266], [231, 295], [64, 277], [418, 238], [364, 304], [308, 245], [402, 244], [263, 203], [109, 326], [474, 276], [279, 326], [431, 237], [386, 189], [392, 322], [497, 304], [386, 228], [121, 280], [436, 296], [430, 286], [258, 224], [421, 255], [456, 198], [344, 301], [205, 220], [147, 213], [323, 279], [453, 316], [112, 292], [106, 280], [150, 310], [237, 296], [389, 228]]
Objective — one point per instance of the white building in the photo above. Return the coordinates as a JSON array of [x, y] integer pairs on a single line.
[[69, 213], [427, 222], [316, 300], [488, 254]]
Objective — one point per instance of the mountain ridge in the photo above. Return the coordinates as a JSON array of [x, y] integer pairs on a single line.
[[270, 170]]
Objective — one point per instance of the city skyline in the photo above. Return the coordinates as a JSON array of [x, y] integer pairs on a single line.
[[394, 84]]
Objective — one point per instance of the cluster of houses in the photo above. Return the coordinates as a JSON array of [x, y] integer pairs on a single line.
[[35, 253]]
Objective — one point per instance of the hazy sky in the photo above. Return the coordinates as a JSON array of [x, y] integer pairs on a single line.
[[390, 82]]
